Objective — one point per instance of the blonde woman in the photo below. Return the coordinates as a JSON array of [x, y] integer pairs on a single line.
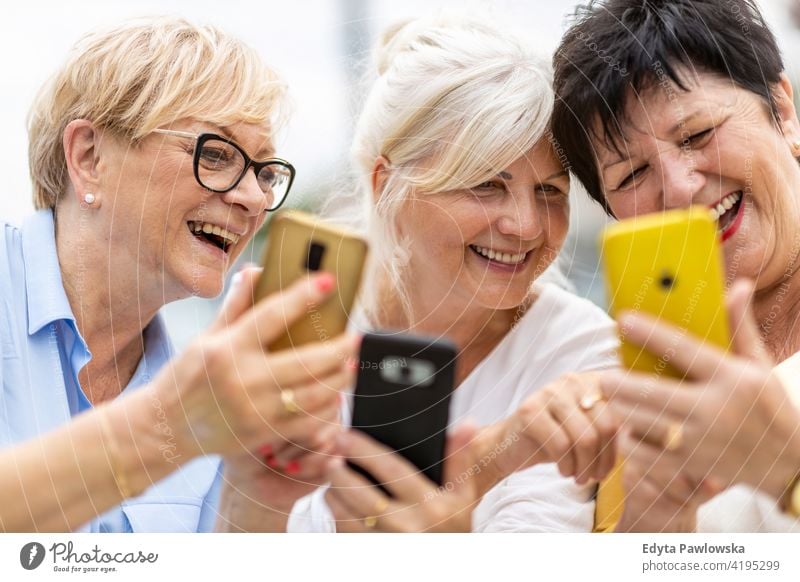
[[468, 206], [153, 165]]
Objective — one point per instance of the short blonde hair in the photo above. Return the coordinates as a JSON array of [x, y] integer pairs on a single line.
[[140, 75], [458, 99]]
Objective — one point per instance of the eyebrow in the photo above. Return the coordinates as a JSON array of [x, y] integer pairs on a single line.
[[557, 175], [264, 153]]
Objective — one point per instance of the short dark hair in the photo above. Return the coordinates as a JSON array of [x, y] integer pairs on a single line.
[[615, 47]]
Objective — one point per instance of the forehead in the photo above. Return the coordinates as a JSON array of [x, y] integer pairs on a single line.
[[662, 110]]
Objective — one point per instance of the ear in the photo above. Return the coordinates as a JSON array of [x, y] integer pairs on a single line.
[[782, 93], [81, 141], [380, 172]]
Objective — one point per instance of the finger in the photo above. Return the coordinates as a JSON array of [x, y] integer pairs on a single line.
[[661, 468], [308, 429], [656, 427], [272, 316], [556, 443], [607, 424], [322, 443], [746, 338], [583, 439], [399, 476], [239, 298], [362, 497], [677, 347], [346, 520], [649, 392], [309, 362], [460, 458]]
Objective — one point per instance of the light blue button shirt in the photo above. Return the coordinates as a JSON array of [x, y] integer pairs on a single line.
[[41, 354]]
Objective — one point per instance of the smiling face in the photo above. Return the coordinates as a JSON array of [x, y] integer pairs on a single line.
[[715, 145], [485, 245], [176, 236]]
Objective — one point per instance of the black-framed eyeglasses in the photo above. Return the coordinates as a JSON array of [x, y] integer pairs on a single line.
[[220, 164]]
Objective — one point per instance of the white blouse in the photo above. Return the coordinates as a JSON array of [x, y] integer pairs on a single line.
[[560, 333]]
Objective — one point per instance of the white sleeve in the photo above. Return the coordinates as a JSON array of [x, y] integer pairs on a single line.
[[537, 499], [311, 514]]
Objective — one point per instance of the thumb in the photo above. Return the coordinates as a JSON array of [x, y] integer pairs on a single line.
[[460, 458], [746, 339], [240, 297]]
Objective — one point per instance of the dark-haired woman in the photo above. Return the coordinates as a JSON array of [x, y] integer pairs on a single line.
[[703, 115]]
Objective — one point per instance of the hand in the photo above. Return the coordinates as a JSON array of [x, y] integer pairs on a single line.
[[260, 489], [417, 504], [730, 421], [567, 422], [227, 394]]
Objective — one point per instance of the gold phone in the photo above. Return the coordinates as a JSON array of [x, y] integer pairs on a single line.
[[298, 244], [668, 265]]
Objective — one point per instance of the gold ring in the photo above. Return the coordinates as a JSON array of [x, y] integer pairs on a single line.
[[590, 401], [674, 437], [372, 520], [288, 401]]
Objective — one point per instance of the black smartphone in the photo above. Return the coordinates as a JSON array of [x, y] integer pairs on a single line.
[[402, 397]]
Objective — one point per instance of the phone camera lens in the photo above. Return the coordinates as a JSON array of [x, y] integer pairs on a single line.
[[314, 257], [666, 281]]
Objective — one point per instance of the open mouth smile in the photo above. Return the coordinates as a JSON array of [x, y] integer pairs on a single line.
[[502, 260], [213, 235], [728, 213]]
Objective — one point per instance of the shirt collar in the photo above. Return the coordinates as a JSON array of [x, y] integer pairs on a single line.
[[47, 299]]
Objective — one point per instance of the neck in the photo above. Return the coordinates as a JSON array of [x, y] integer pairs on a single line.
[[777, 311], [476, 330], [109, 312]]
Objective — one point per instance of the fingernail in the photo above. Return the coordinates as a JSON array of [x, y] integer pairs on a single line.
[[265, 450], [236, 279], [325, 282], [352, 363], [292, 467]]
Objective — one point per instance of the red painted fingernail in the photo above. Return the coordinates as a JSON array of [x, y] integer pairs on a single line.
[[265, 450], [352, 363], [325, 282], [292, 467]]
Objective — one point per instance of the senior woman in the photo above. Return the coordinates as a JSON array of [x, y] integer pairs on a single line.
[[698, 110], [152, 160], [467, 206]]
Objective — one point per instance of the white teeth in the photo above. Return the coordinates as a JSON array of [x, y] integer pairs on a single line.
[[506, 258], [198, 227], [724, 205]]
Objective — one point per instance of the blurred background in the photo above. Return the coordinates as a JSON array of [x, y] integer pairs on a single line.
[[322, 49]]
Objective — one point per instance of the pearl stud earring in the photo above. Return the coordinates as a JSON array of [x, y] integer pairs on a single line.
[[88, 198]]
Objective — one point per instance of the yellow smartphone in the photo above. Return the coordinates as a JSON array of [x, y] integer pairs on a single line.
[[668, 265], [298, 244]]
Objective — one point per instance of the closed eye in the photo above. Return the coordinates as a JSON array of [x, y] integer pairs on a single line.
[[550, 190], [630, 178], [489, 187], [700, 138]]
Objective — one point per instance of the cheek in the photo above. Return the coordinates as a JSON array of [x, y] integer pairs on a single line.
[[557, 222]]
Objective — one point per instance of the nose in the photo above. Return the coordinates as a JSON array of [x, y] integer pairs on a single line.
[[680, 179], [247, 195], [520, 217]]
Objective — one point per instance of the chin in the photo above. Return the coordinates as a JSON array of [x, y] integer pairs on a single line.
[[201, 282], [501, 298]]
